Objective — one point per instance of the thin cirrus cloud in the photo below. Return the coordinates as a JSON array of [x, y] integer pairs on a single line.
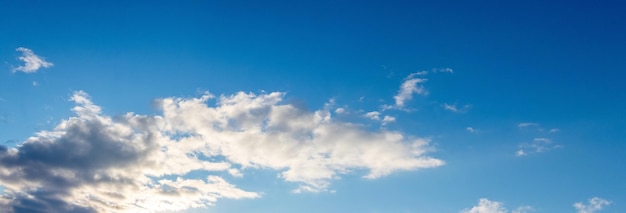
[[92, 162], [32, 62], [446, 70], [413, 84], [595, 204], [455, 108], [527, 124], [487, 206], [537, 145]]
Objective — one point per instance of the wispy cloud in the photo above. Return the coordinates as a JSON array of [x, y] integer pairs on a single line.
[[92, 162], [523, 209], [388, 119], [527, 124], [487, 206], [421, 73], [32, 62], [595, 204], [444, 70], [411, 85], [454, 108], [536, 146], [537, 127], [471, 129]]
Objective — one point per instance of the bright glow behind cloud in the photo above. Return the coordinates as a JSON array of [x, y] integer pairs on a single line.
[[92, 163], [32, 62], [137, 163], [256, 131]]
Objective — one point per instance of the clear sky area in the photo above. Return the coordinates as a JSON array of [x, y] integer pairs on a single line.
[[313, 106]]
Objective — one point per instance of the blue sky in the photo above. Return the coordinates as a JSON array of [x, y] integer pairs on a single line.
[[313, 106]]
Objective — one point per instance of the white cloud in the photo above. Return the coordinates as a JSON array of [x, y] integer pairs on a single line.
[[450, 107], [554, 130], [536, 146], [454, 108], [446, 70], [527, 124], [471, 129], [388, 119], [374, 115], [421, 73], [32, 62], [340, 110], [136, 163], [411, 85], [595, 204], [523, 209], [257, 131], [235, 172], [487, 206]]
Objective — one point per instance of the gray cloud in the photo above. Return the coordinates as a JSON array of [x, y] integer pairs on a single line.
[[91, 163]]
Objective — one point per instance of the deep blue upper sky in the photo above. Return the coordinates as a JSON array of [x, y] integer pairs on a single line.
[[555, 64]]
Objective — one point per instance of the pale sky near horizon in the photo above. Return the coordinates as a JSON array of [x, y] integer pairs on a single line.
[[313, 106]]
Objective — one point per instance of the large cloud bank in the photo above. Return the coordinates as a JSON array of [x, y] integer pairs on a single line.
[[92, 162]]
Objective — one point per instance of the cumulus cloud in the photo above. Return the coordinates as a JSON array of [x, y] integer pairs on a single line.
[[32, 62], [487, 206], [374, 115], [256, 131], [93, 163], [595, 204], [138, 163], [411, 85]]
